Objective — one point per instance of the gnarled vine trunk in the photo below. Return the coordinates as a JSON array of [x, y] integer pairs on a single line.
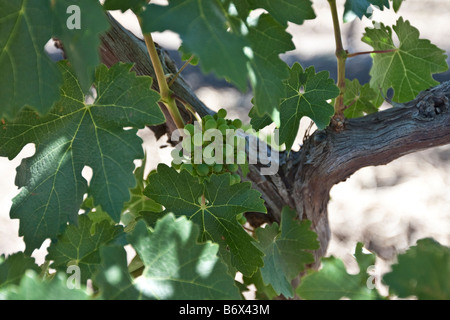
[[327, 157]]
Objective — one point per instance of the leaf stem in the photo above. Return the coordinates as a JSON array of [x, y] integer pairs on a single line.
[[350, 55], [179, 71], [164, 90], [341, 55]]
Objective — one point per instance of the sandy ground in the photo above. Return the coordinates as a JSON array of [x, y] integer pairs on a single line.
[[387, 207]]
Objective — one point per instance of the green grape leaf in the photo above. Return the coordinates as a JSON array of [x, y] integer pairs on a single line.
[[14, 267], [139, 202], [268, 39], [29, 77], [175, 265], [259, 122], [407, 69], [96, 214], [32, 287], [174, 260], [361, 8], [124, 5], [81, 41], [79, 246], [181, 194], [76, 134], [263, 291], [396, 4], [113, 278], [306, 94], [241, 6], [360, 99], [202, 28], [296, 11], [186, 55], [332, 282], [422, 271], [285, 252]]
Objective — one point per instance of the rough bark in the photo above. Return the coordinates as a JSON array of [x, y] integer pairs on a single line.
[[326, 158]]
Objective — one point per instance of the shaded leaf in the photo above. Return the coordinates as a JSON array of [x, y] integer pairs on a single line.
[[80, 45], [332, 282], [181, 193], [29, 77], [14, 267], [361, 8], [79, 246], [176, 266], [31, 287], [202, 27], [113, 278], [76, 134], [296, 11], [422, 271], [259, 122], [124, 5], [286, 251], [268, 39]]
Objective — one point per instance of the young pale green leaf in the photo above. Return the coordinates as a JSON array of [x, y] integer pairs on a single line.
[[28, 76], [14, 267], [296, 11], [407, 69], [332, 282], [181, 194], [285, 252], [79, 246], [360, 99], [306, 94], [202, 27], [268, 39], [78, 27], [176, 266], [422, 271], [74, 135], [361, 8], [32, 287]]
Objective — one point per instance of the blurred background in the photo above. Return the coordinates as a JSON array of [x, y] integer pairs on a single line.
[[388, 208]]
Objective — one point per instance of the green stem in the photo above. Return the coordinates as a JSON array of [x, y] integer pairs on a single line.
[[179, 71], [350, 55], [341, 55], [164, 91], [44, 269]]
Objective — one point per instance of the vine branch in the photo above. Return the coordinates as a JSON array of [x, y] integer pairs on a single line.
[[164, 90], [341, 56]]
